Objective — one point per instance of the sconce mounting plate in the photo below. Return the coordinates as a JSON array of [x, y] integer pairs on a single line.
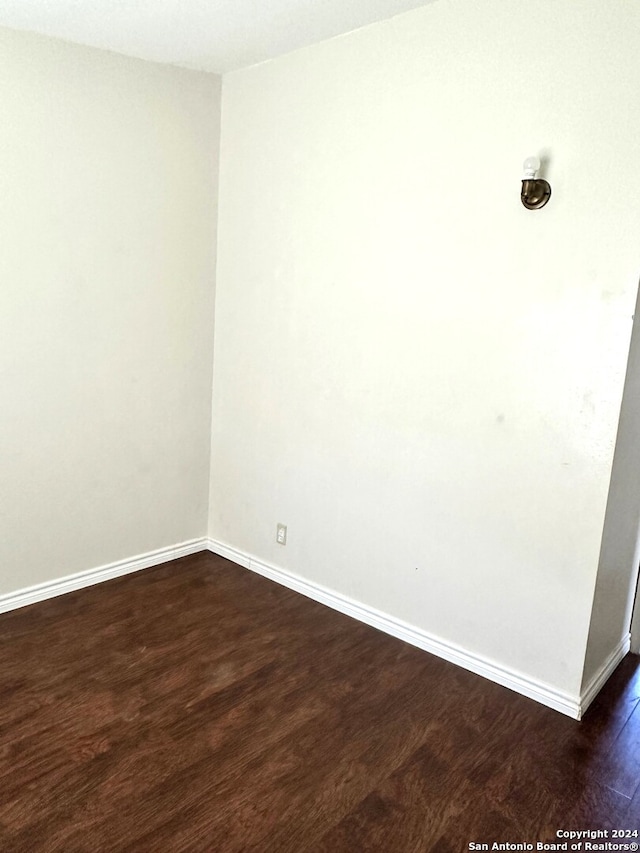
[[535, 193]]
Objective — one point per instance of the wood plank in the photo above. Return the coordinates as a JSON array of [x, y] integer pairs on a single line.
[[198, 707]]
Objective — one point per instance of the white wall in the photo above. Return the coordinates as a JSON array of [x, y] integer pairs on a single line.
[[417, 375], [108, 182], [620, 551]]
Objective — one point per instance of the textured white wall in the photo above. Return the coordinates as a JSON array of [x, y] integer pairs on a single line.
[[417, 375], [108, 181]]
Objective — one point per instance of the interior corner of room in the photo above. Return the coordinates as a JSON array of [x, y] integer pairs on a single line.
[[307, 293]]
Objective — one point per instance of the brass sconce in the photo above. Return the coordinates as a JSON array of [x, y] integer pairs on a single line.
[[535, 191]]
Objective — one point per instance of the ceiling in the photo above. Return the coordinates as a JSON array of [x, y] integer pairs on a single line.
[[212, 35]]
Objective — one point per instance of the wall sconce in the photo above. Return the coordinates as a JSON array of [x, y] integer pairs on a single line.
[[535, 191]]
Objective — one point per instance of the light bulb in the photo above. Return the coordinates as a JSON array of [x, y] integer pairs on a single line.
[[530, 167]]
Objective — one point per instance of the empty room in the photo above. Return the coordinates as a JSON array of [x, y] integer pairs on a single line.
[[320, 433]]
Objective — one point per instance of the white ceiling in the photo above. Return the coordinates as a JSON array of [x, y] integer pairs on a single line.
[[212, 35]]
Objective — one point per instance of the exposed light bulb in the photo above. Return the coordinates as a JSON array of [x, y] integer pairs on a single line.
[[530, 167]]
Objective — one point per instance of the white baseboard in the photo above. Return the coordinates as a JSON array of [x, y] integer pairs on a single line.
[[60, 586], [607, 668], [572, 706], [532, 688]]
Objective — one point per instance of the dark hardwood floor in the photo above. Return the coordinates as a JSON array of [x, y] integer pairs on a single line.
[[198, 707]]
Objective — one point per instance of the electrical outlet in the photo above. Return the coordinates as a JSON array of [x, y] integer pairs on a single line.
[[281, 534]]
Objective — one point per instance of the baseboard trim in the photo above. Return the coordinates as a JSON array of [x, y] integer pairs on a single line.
[[60, 586], [598, 681], [532, 688], [565, 703]]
